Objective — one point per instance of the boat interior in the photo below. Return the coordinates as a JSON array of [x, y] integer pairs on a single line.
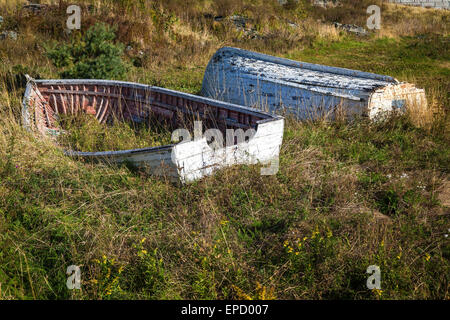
[[110, 101]]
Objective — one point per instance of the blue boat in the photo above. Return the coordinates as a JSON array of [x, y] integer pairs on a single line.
[[305, 90]]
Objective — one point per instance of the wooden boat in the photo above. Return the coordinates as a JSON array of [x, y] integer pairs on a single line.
[[308, 91], [45, 100]]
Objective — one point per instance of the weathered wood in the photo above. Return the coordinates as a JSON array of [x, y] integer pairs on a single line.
[[185, 161], [308, 91]]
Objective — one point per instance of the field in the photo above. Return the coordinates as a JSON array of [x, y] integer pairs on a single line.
[[348, 194]]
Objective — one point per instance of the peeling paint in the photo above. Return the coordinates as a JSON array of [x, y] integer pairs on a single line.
[[305, 90]]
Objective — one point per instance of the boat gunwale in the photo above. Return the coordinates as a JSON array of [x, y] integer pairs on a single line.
[[88, 154], [196, 98]]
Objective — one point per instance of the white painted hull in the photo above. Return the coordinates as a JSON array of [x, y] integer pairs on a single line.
[[305, 90], [185, 161]]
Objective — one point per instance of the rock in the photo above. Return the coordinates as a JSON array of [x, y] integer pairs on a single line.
[[240, 24], [326, 3], [360, 31], [35, 8], [252, 34], [12, 35], [436, 4], [292, 24], [239, 21], [8, 34]]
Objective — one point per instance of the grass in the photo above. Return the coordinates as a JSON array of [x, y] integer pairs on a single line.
[[85, 133], [348, 194]]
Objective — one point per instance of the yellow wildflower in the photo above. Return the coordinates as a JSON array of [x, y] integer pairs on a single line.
[[315, 232], [378, 292]]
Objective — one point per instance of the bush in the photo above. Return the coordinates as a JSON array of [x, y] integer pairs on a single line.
[[92, 56]]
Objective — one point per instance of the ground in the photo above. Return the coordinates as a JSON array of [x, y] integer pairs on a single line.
[[348, 194]]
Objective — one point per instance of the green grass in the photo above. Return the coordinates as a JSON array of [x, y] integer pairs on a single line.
[[348, 194], [85, 133]]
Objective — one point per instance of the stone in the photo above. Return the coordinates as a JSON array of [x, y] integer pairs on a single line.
[[35, 8], [326, 3], [239, 21], [292, 24], [360, 31], [8, 34], [436, 4]]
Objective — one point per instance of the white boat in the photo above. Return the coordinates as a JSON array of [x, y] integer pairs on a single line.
[[186, 161], [306, 90]]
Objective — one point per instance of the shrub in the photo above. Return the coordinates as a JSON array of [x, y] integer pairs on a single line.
[[92, 56]]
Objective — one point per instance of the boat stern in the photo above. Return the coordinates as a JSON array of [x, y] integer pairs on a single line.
[[400, 98]]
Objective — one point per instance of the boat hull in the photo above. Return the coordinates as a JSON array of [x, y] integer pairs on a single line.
[[187, 161], [306, 91]]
